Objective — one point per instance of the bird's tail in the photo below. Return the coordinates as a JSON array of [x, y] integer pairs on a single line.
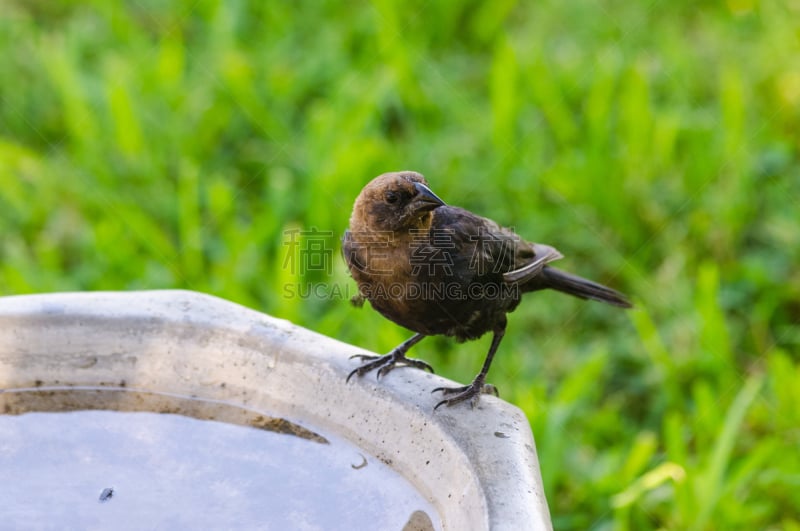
[[580, 287]]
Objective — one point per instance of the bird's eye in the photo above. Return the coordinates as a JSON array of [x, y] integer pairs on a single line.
[[391, 197]]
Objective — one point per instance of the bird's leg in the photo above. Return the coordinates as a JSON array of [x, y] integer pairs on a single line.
[[386, 363], [473, 391]]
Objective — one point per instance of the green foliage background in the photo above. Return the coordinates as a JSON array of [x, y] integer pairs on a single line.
[[170, 144]]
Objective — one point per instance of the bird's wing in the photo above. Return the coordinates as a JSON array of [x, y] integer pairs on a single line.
[[491, 247], [350, 252], [543, 255]]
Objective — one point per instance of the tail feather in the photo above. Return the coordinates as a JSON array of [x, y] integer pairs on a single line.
[[580, 287]]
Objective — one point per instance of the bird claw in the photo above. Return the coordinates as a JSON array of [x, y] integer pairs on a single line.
[[365, 357], [385, 364], [471, 393]]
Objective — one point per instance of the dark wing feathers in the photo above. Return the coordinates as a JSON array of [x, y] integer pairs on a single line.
[[543, 255], [492, 246]]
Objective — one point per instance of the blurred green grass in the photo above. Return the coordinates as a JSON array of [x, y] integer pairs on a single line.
[[172, 144]]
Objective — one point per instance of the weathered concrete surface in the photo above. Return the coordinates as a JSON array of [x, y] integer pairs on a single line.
[[478, 467]]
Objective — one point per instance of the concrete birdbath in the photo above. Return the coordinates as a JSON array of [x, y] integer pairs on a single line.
[[176, 409]]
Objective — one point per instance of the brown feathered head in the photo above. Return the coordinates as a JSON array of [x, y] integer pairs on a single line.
[[392, 202]]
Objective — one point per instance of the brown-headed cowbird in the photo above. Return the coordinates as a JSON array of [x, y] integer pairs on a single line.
[[437, 269]]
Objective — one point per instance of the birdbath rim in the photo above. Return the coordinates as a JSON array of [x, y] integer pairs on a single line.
[[478, 466]]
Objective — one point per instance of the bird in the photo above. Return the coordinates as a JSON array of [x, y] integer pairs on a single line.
[[437, 269]]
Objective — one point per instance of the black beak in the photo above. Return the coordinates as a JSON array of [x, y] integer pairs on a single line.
[[427, 200]]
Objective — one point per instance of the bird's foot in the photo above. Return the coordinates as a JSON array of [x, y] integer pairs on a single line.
[[385, 364], [471, 393]]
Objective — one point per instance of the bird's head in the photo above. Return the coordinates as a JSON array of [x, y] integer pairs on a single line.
[[394, 202]]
